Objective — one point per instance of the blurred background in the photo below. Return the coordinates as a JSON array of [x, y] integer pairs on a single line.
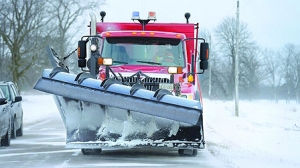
[[269, 43]]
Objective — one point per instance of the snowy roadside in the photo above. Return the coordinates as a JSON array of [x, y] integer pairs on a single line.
[[32, 105], [265, 135]]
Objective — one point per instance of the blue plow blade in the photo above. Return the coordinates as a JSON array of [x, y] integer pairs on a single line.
[[103, 114]]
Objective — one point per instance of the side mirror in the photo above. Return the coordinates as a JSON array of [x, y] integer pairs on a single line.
[[81, 53], [204, 56], [3, 101], [18, 98]]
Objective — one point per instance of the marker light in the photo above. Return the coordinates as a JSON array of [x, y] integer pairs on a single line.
[[178, 36], [93, 47], [78, 52], [152, 15], [206, 54], [135, 15], [174, 70], [190, 96], [105, 61], [180, 79], [102, 76], [190, 78]]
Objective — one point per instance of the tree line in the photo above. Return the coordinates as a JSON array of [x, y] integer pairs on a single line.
[[28, 26], [263, 73]]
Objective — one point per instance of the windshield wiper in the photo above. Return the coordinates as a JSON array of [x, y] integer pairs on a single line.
[[148, 62], [120, 62]]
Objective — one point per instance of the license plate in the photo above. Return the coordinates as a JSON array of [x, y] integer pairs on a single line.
[[167, 86]]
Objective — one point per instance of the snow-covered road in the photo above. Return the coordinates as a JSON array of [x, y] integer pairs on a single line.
[[265, 135], [44, 139]]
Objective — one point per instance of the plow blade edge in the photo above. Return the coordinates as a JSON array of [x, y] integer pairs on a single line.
[[104, 114]]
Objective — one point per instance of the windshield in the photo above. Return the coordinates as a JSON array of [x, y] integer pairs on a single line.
[[5, 91], [144, 50]]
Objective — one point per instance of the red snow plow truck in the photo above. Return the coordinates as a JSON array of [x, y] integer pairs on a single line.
[[138, 87]]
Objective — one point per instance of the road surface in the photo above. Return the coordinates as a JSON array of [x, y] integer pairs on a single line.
[[43, 145]]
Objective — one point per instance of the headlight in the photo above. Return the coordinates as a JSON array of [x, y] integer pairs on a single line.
[[174, 70], [187, 96], [183, 96], [93, 47], [105, 61]]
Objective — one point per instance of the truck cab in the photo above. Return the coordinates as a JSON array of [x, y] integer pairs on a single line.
[[131, 50], [138, 88], [159, 55]]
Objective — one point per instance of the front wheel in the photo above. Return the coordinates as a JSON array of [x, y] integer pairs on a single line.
[[6, 140], [188, 152], [91, 151], [13, 130], [20, 130]]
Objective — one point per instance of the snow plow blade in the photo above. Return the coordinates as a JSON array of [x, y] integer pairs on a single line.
[[108, 114]]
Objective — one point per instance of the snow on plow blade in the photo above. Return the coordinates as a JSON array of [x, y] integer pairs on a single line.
[[108, 114]]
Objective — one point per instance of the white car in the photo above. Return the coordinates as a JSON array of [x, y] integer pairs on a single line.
[[5, 121], [11, 93]]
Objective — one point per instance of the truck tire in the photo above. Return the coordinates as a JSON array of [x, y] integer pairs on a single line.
[[6, 140], [188, 152], [20, 130], [91, 151], [13, 130]]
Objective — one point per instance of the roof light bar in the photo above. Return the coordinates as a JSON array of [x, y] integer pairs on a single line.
[[135, 15], [152, 15]]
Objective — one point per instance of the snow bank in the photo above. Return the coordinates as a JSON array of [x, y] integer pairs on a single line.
[[265, 135], [38, 108]]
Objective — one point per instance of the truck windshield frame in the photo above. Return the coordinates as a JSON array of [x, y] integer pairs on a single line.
[[154, 51]]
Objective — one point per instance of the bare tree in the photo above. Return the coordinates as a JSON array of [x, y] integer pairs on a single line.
[[29, 25], [65, 14], [226, 36], [206, 77], [4, 58], [22, 17], [287, 54], [296, 66], [291, 60], [251, 73], [274, 75]]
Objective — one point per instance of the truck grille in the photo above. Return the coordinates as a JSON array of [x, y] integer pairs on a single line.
[[151, 84]]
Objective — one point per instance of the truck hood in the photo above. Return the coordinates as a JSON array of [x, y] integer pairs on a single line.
[[144, 69]]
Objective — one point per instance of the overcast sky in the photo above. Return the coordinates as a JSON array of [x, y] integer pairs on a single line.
[[273, 23]]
